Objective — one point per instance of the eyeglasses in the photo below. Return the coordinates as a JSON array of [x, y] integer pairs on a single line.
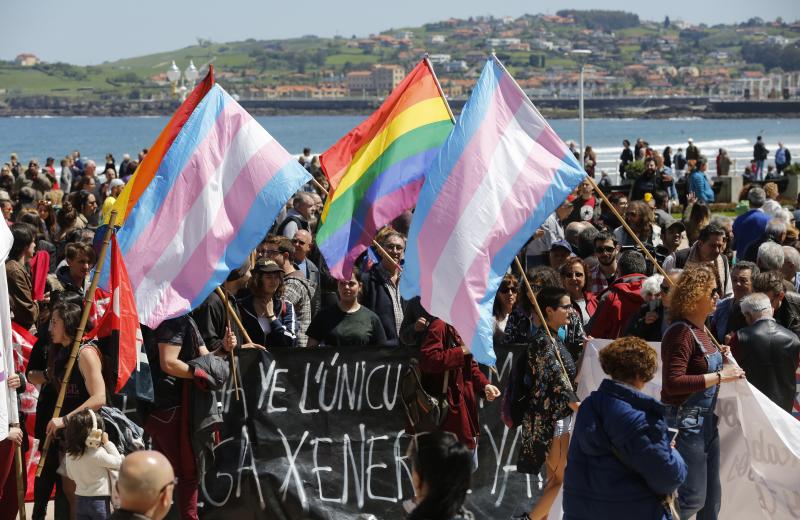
[[506, 290], [607, 249]]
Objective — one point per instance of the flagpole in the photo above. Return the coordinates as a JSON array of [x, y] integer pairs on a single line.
[[439, 86], [19, 465], [230, 312], [381, 250], [644, 249], [532, 298], [76, 343]]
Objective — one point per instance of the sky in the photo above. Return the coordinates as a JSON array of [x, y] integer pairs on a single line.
[[86, 32]]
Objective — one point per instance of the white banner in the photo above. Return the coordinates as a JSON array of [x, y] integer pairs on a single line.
[[759, 445]]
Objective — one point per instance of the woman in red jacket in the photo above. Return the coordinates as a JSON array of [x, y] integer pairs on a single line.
[[443, 351]]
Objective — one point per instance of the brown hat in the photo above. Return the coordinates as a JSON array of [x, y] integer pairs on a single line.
[[266, 266]]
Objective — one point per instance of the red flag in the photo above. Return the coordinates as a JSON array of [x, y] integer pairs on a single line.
[[118, 328]]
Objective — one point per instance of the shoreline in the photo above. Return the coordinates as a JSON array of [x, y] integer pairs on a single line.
[[546, 112]]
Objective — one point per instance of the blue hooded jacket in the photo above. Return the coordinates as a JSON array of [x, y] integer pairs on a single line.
[[597, 484]]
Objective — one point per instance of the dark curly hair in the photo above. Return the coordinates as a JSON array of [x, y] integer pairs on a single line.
[[628, 359]]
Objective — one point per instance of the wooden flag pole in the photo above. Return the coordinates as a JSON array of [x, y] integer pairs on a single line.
[[640, 244], [381, 251], [230, 312], [532, 298], [19, 464], [76, 343]]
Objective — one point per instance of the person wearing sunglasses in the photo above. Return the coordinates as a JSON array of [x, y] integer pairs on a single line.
[[573, 276], [604, 271], [145, 486], [504, 303], [693, 370], [551, 401]]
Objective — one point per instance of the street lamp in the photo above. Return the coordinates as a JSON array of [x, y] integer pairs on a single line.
[[582, 56], [191, 74], [173, 75]]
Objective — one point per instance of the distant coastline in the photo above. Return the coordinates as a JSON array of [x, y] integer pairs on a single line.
[[631, 107]]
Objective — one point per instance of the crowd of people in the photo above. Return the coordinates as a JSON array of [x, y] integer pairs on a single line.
[[728, 307]]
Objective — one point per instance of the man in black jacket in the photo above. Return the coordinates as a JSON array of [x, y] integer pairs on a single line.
[[785, 305], [381, 292], [760, 154], [766, 351]]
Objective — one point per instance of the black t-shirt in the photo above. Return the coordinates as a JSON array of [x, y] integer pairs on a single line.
[[336, 328], [177, 331]]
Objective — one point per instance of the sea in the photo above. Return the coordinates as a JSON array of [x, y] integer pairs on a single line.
[[42, 137]]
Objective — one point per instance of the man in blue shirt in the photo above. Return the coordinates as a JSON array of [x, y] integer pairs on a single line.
[[698, 182], [751, 225]]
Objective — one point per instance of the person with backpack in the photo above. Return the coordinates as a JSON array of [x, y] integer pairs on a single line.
[[693, 370], [446, 362], [620, 463], [90, 458], [550, 401]]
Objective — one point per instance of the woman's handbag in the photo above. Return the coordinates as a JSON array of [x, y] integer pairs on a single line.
[[424, 411]]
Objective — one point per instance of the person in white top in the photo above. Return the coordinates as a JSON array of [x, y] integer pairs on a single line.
[[89, 461]]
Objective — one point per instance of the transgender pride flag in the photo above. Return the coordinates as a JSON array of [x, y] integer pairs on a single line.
[[498, 176], [212, 198]]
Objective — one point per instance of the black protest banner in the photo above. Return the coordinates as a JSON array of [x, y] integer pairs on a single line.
[[319, 433]]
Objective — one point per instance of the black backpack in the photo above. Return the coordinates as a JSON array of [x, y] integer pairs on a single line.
[[517, 392]]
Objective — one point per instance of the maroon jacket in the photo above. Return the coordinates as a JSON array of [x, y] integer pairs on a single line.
[[618, 303], [440, 352]]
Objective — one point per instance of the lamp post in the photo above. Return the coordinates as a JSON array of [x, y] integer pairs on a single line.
[[189, 76], [173, 75], [582, 56]]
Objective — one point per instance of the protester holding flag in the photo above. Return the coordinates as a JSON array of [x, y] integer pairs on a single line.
[[178, 341], [444, 355], [693, 371], [545, 426], [85, 389]]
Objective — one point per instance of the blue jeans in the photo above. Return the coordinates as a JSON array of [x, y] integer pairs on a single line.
[[701, 492], [92, 508]]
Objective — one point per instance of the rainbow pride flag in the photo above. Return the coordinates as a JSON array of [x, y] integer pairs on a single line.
[[219, 182], [377, 169], [501, 173]]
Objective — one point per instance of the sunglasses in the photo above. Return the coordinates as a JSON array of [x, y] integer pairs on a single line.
[[607, 249], [506, 290]]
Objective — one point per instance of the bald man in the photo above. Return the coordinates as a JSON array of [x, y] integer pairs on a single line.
[[145, 486], [298, 217]]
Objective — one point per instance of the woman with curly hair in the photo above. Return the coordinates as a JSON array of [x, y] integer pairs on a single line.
[[551, 399], [693, 371], [620, 462]]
